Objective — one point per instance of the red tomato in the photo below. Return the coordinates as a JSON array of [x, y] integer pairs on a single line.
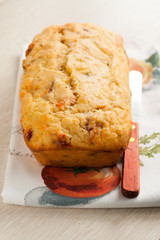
[[81, 182]]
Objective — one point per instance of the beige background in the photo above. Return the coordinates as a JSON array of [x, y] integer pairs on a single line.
[[20, 20]]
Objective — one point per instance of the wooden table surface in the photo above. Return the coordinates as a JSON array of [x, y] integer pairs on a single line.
[[20, 20]]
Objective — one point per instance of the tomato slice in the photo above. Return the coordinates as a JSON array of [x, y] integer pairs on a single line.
[[81, 182]]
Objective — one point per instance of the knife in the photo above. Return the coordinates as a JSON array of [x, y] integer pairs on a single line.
[[130, 173]]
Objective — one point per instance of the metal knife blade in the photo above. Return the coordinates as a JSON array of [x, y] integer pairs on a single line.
[[135, 84], [131, 175]]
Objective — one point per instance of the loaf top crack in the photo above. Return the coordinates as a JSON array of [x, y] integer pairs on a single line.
[[75, 90]]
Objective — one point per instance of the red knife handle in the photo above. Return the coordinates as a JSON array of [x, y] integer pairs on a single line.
[[131, 175]]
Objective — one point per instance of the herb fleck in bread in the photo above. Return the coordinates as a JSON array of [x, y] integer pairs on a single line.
[[75, 97]]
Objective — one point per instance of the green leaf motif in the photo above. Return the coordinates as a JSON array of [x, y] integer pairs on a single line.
[[145, 139], [141, 163], [81, 170], [145, 152], [121, 159], [154, 59], [156, 149], [156, 74], [152, 147]]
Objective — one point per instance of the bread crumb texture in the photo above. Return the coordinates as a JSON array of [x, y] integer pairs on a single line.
[[75, 90]]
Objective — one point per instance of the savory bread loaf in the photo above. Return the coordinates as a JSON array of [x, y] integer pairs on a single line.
[[75, 97]]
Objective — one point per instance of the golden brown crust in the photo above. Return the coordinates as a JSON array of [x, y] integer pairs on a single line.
[[77, 158], [75, 93]]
